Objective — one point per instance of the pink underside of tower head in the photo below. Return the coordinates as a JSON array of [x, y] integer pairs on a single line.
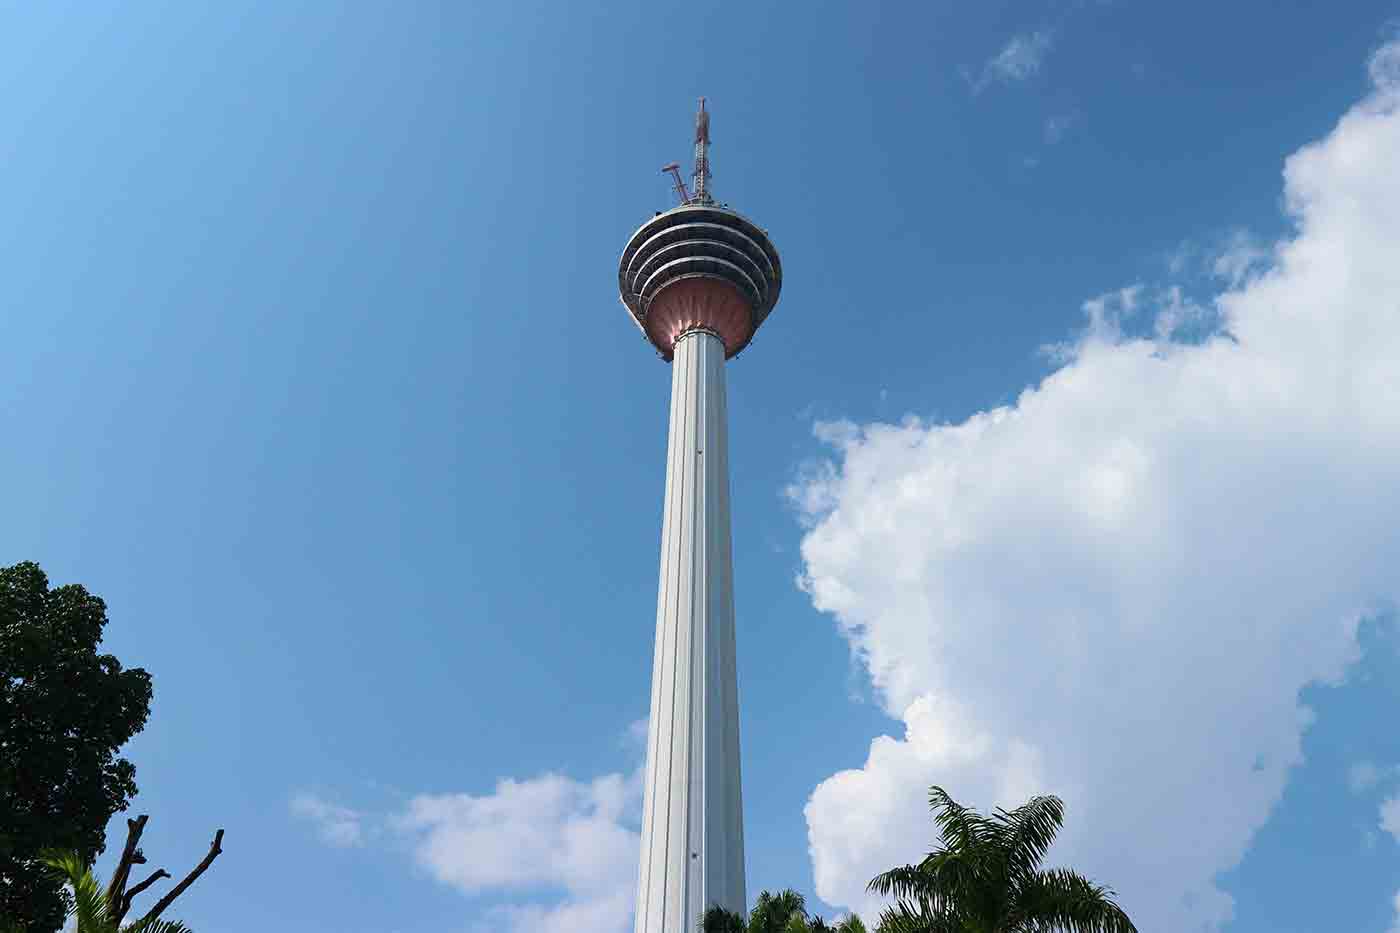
[[709, 303]]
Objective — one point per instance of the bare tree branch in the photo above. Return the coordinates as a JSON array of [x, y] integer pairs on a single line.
[[130, 856], [215, 848], [131, 893]]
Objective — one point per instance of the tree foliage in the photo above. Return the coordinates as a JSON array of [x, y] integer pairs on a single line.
[[986, 878], [719, 920], [784, 912], [92, 910], [65, 710], [773, 913]]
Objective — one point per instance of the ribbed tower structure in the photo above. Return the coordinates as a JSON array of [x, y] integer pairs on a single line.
[[698, 279]]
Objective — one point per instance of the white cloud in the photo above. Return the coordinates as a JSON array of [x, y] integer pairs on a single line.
[[1115, 588], [1176, 313], [1022, 56], [1390, 816], [1241, 255], [1395, 924], [1384, 66], [1105, 315], [1229, 257], [635, 739], [569, 843], [1057, 126], [1018, 60], [1363, 776], [336, 825], [563, 851]]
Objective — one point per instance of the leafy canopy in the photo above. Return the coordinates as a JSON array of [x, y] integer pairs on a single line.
[[784, 912], [64, 712], [986, 878]]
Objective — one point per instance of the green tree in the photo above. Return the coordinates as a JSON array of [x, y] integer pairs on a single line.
[[64, 712], [773, 913], [986, 878], [784, 912], [719, 920]]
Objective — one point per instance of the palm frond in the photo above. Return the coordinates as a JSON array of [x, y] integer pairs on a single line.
[[772, 912], [1064, 900], [945, 880], [175, 926], [92, 913], [906, 917], [1026, 833], [851, 924], [90, 907], [715, 920], [962, 828], [905, 882]]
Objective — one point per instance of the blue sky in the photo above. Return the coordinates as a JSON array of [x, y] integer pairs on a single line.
[[313, 368]]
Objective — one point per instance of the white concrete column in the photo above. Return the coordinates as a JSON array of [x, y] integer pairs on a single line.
[[692, 821]]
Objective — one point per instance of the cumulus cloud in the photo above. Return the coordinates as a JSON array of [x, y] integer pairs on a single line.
[[1390, 816], [568, 846], [1395, 924], [336, 825], [1363, 776], [1238, 257], [1107, 315], [561, 853], [1115, 588], [1384, 66], [1018, 60], [1230, 257]]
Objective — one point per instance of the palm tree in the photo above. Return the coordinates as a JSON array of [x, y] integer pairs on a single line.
[[719, 920], [784, 912], [91, 909], [775, 913], [986, 878], [848, 924]]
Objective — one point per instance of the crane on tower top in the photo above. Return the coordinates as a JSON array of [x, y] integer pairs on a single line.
[[675, 170]]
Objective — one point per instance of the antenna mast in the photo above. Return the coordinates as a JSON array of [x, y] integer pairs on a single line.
[[702, 164], [702, 156]]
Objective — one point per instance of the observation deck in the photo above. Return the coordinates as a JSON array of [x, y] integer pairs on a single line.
[[699, 266]]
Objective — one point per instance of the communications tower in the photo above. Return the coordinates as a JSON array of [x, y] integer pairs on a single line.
[[698, 280]]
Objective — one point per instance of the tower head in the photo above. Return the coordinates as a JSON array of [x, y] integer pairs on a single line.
[[699, 266]]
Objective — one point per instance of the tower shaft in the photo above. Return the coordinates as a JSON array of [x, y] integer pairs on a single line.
[[692, 822]]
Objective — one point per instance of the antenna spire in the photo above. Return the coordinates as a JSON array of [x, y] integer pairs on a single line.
[[702, 156]]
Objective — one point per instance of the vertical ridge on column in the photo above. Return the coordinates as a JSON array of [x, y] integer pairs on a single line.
[[659, 656]]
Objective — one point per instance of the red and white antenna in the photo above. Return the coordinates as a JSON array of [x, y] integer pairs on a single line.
[[702, 156], [702, 164]]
